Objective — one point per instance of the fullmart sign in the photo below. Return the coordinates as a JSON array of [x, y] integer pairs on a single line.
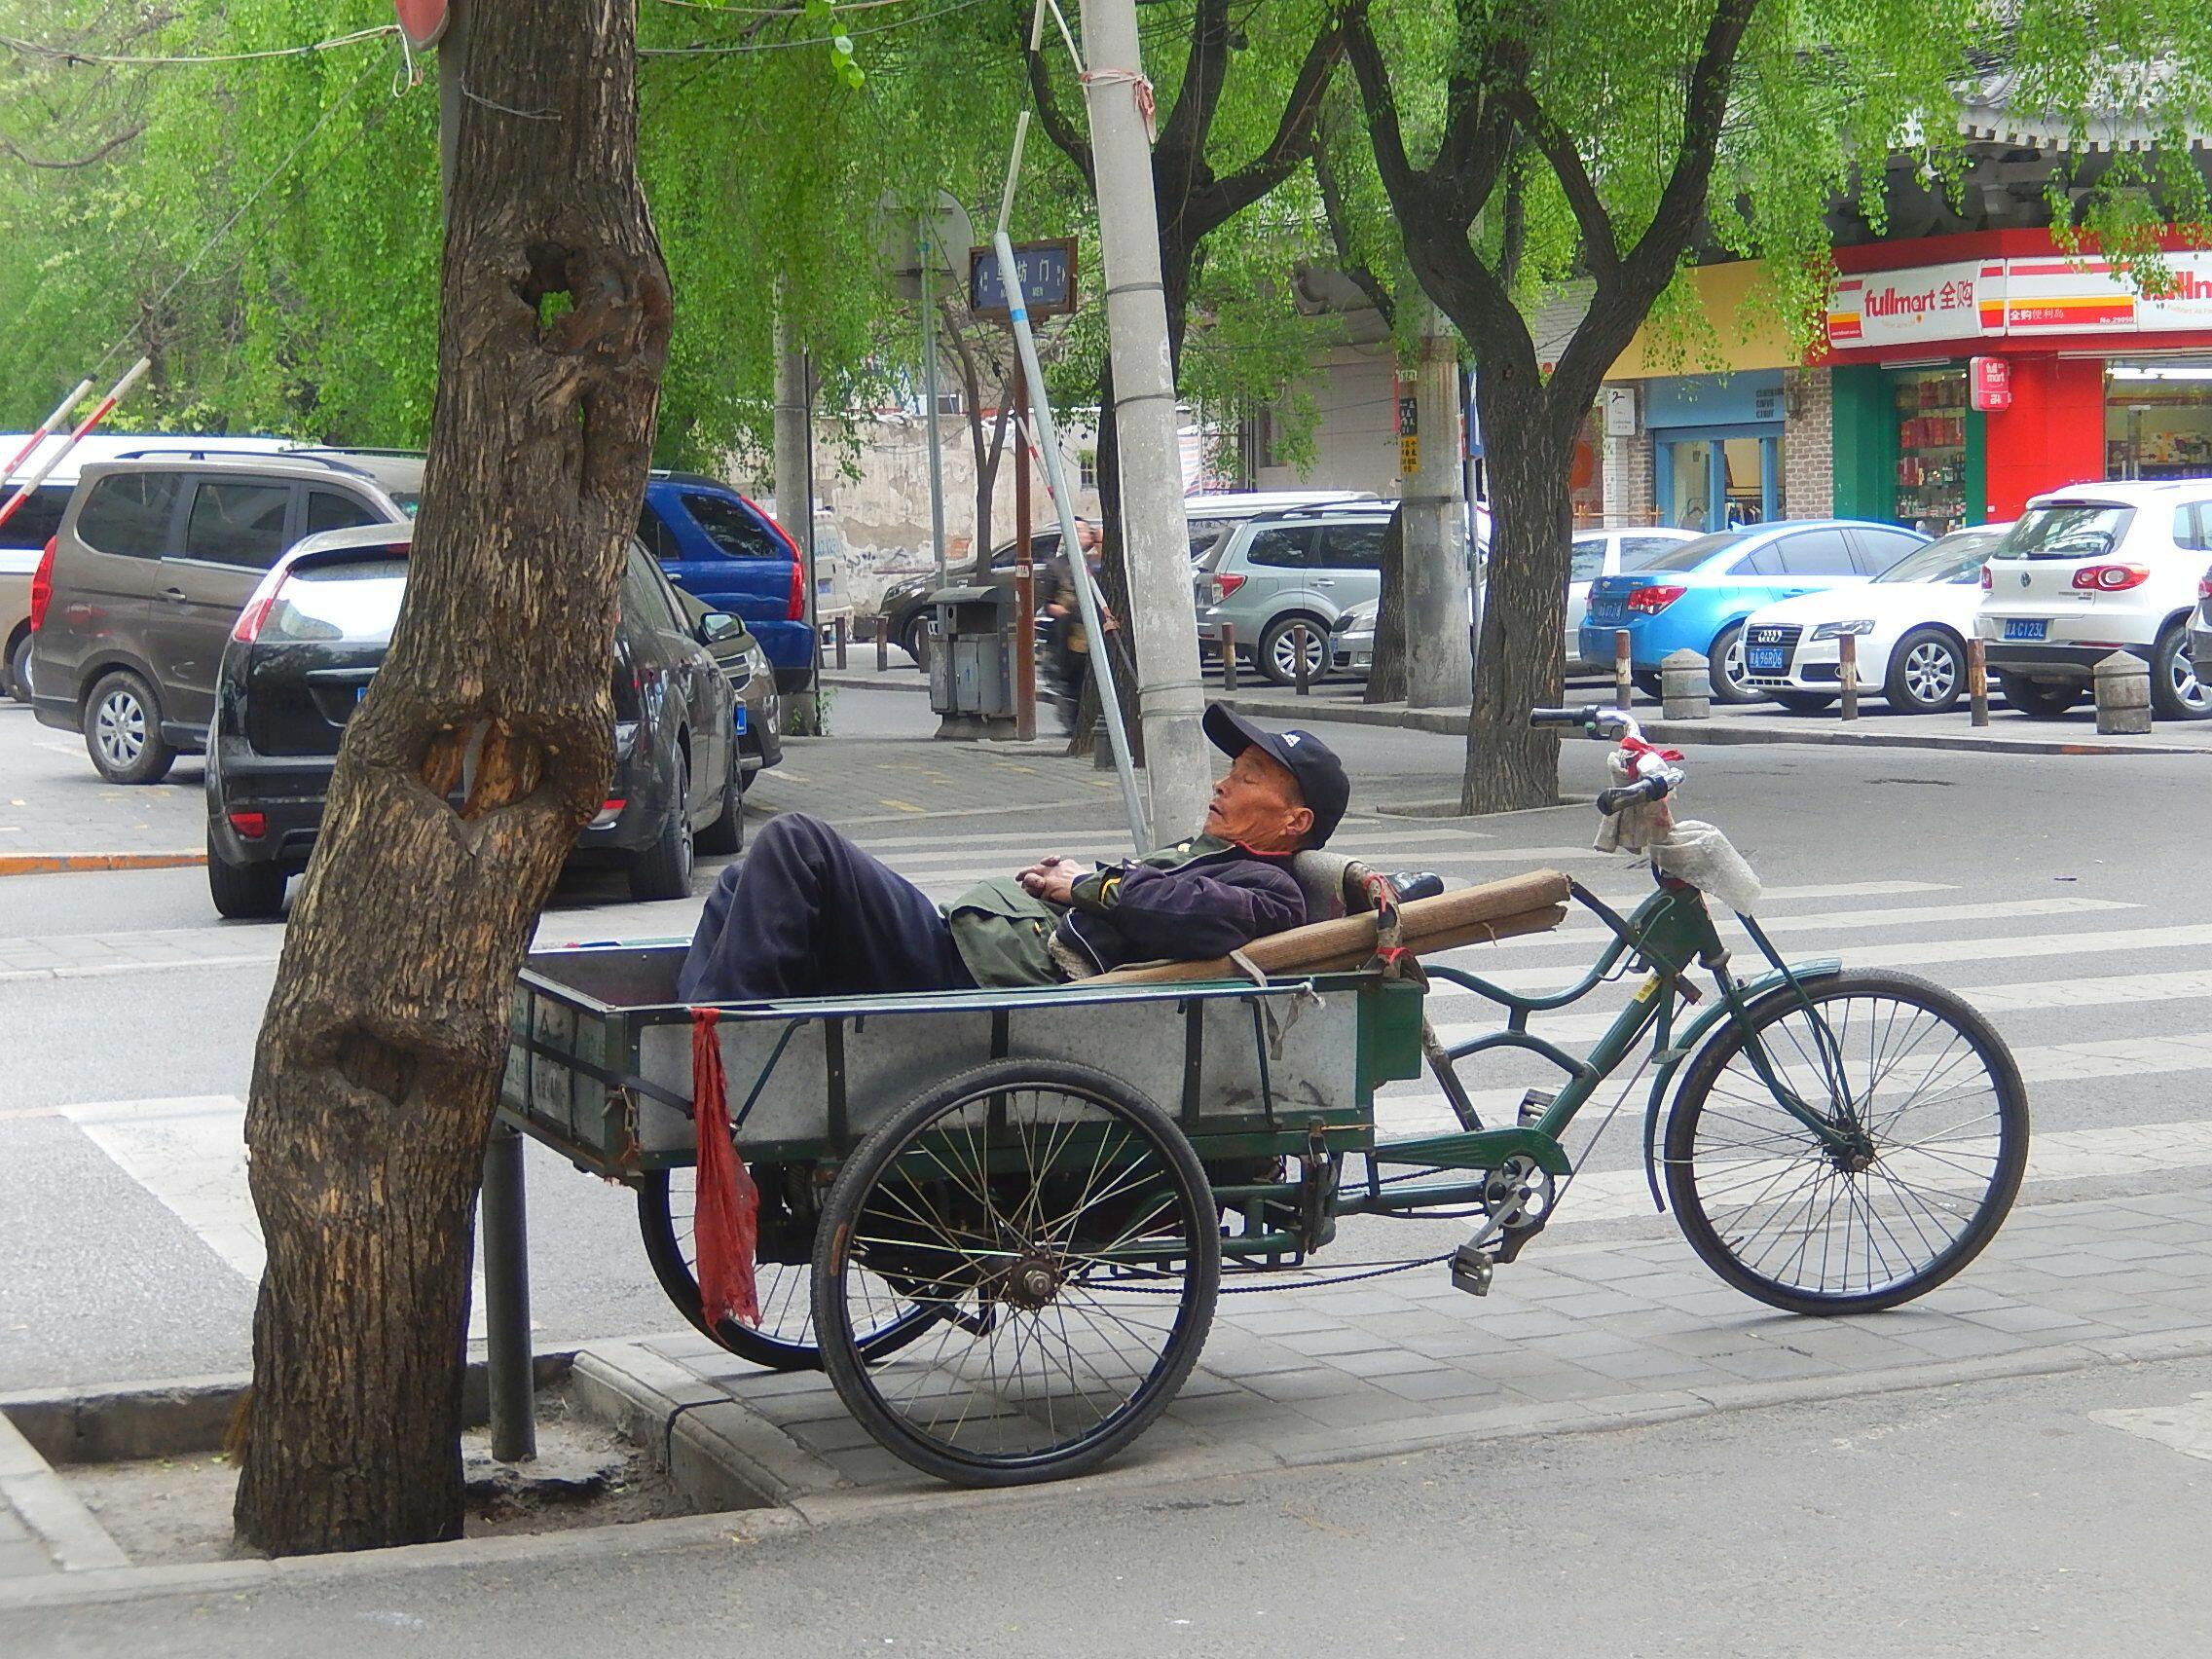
[[1932, 302], [2017, 298]]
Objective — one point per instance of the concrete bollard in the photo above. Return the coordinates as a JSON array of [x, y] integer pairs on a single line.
[[1302, 641], [882, 643], [1847, 673], [1624, 670], [2123, 694], [1685, 686], [1229, 657], [1977, 682]]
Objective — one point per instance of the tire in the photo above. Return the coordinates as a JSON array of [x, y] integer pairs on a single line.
[[123, 730], [1882, 1026], [1649, 684], [1928, 672], [783, 1340], [2176, 694], [726, 833], [2038, 697], [245, 893], [1113, 1173], [1277, 656], [916, 641], [663, 870], [1725, 668], [1804, 702], [19, 668]]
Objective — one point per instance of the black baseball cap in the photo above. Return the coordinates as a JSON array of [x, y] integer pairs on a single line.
[[1321, 781]]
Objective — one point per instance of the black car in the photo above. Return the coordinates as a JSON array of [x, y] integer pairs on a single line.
[[907, 602], [308, 643]]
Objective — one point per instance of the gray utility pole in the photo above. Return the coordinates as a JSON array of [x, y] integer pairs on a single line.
[[1439, 660], [1156, 540], [928, 400], [794, 495]]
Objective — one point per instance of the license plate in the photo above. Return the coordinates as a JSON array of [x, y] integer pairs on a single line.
[[741, 719], [2026, 627], [1609, 614], [1769, 659], [359, 691]]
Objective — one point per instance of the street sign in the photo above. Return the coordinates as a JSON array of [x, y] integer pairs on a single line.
[[422, 21], [1991, 384], [1409, 433], [1048, 278]]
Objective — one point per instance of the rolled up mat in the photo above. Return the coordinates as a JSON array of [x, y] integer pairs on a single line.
[[1535, 902]]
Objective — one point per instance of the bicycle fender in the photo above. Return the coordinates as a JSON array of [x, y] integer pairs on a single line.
[[1670, 1060]]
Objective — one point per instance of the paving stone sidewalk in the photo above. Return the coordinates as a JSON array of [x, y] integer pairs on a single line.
[[1573, 1337]]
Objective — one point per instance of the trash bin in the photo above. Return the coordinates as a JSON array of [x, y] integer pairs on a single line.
[[971, 660]]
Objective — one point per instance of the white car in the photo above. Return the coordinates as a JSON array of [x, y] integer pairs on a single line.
[[1912, 623], [2090, 570]]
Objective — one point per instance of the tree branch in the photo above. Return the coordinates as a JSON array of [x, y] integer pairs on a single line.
[[1650, 264], [1226, 198], [100, 155], [1182, 141], [1360, 274], [1560, 150]]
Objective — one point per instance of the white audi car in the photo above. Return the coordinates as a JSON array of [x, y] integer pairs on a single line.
[[1911, 622]]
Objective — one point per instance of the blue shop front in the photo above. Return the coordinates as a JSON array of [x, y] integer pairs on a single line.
[[1715, 447]]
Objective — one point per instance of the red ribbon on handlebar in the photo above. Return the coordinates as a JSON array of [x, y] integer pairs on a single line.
[[1638, 745]]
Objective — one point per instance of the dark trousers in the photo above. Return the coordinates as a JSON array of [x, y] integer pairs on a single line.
[[806, 913]]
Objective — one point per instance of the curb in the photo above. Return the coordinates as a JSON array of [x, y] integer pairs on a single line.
[[887, 681], [56, 1516], [70, 863]]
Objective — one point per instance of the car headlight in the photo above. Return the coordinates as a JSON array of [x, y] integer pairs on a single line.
[[1837, 630]]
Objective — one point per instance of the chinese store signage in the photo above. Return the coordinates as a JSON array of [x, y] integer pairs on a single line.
[[2014, 298]]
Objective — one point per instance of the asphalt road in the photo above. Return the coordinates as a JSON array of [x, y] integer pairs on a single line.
[[2050, 877]]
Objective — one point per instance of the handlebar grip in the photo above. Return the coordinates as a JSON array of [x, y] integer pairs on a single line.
[[1610, 802], [1559, 716]]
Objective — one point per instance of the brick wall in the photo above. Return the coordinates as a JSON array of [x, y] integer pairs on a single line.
[[1628, 480], [1808, 437]]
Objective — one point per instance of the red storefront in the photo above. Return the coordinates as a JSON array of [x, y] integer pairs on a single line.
[[2102, 381]]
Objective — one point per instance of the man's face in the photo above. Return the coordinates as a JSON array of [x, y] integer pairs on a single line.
[[1257, 805]]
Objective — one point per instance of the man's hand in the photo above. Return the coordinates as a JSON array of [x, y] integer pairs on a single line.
[[1052, 879]]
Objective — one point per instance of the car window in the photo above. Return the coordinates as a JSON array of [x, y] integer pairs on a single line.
[[2193, 526], [729, 527], [1689, 555], [358, 599], [1759, 562], [327, 509], [238, 523], [1352, 547], [2069, 530], [1637, 551], [1281, 547], [1208, 533], [1586, 559], [130, 514], [1954, 558], [642, 602], [1874, 549], [1817, 553], [654, 534], [37, 519]]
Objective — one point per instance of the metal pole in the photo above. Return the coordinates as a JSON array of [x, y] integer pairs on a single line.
[[795, 491], [1229, 657], [1624, 672], [929, 397], [38, 474], [1439, 553], [1024, 571], [506, 1300], [1086, 592], [61, 413], [1155, 534]]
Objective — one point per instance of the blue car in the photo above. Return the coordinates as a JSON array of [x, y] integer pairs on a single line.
[[1696, 595], [718, 547]]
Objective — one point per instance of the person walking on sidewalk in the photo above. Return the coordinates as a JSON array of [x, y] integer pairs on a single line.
[[808, 913]]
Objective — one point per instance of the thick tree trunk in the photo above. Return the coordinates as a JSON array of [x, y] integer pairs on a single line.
[[1511, 764], [374, 1080], [1386, 677]]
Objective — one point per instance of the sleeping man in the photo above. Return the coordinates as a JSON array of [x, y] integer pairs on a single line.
[[808, 914]]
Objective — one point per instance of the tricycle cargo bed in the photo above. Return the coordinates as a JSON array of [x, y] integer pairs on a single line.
[[600, 1061]]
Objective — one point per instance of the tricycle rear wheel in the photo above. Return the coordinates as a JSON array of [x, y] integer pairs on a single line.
[[1064, 1228]]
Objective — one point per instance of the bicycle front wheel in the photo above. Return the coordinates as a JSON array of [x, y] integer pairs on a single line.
[[1929, 1141]]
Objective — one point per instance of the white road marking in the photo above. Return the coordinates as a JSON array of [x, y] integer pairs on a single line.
[[1848, 921], [2185, 1428]]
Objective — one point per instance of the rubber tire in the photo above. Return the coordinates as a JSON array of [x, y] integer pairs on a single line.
[[19, 670], [1899, 694], [245, 893], [2165, 700], [2037, 697], [1726, 1042], [663, 870], [1716, 659], [1803, 702], [916, 641], [726, 833], [656, 1227], [847, 1366], [1649, 684], [155, 758], [1272, 636]]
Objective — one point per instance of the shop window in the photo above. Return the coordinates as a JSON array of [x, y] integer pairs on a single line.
[[1932, 449], [2158, 419]]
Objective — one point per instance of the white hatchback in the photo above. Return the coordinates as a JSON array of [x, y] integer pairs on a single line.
[[2094, 569]]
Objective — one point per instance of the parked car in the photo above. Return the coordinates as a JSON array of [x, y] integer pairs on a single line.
[[1697, 596], [907, 602], [759, 710], [154, 558], [2090, 570], [1273, 574], [1912, 623], [1214, 516], [719, 547], [1595, 553], [305, 649]]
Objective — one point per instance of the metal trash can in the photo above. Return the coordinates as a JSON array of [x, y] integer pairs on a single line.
[[971, 660]]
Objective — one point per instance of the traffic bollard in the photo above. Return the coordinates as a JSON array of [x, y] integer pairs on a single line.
[[507, 1364], [843, 628], [1847, 668], [1302, 641], [1977, 681], [1624, 677], [2123, 683], [1685, 686], [1227, 657], [882, 643]]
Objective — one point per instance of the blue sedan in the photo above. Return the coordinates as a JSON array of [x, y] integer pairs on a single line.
[[1696, 595]]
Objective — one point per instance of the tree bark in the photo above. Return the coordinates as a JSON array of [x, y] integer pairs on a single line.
[[1387, 676], [375, 1077]]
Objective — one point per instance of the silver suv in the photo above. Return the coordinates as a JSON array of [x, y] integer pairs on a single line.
[[1276, 573], [156, 556]]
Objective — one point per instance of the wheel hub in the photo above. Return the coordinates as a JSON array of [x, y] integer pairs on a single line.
[[1031, 1282]]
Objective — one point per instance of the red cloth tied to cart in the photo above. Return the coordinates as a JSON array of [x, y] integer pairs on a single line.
[[726, 1227]]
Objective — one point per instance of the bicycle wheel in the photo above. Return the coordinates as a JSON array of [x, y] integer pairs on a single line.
[[1935, 1124], [783, 1340], [1064, 1227]]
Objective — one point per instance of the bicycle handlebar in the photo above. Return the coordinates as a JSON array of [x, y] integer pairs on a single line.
[[1654, 787]]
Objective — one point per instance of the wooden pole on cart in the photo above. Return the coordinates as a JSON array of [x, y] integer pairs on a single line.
[[1847, 667], [507, 1369], [1977, 681], [1624, 680]]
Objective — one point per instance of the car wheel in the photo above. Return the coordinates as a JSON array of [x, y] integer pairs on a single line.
[[1804, 702], [1927, 672], [915, 640], [245, 893], [123, 730], [19, 670], [726, 833], [663, 870], [2039, 697], [1725, 668], [1278, 650], [2176, 694]]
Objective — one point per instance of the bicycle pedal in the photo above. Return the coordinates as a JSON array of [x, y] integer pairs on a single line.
[[1471, 1270], [1533, 1105]]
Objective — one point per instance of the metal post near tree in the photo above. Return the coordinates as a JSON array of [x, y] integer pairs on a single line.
[[1438, 552]]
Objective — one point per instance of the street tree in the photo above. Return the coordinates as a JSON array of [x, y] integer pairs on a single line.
[[375, 1077]]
